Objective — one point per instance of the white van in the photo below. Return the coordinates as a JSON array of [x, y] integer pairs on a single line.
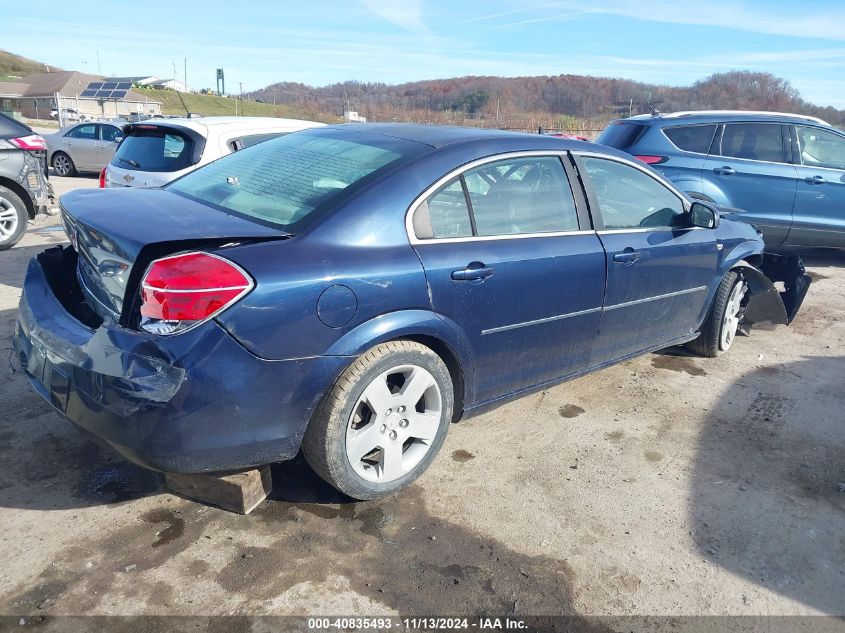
[[154, 152]]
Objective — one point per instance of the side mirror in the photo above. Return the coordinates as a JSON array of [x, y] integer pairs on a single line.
[[118, 138], [703, 216]]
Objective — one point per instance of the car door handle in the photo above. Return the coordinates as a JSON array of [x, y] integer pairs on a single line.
[[725, 171], [473, 272], [628, 257], [815, 180]]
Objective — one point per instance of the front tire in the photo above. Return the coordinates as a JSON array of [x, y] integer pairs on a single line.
[[63, 165], [725, 316], [13, 218], [383, 421]]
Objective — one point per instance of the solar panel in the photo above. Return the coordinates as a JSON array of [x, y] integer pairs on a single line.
[[96, 85], [110, 85], [124, 85], [88, 93], [118, 94]]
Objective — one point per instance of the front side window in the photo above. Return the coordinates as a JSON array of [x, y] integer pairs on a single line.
[[110, 133], [88, 131], [821, 148], [628, 198], [691, 138], [753, 141]]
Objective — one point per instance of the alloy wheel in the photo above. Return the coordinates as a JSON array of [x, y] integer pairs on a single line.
[[8, 219], [62, 165], [733, 315], [393, 423]]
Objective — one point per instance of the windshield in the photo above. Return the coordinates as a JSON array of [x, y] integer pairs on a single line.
[[154, 149], [290, 180]]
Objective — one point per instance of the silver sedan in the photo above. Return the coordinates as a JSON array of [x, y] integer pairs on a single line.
[[82, 147]]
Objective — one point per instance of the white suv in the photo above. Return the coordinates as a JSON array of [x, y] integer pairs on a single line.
[[153, 152]]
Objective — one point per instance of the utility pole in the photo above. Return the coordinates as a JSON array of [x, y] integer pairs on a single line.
[[185, 76], [99, 70], [241, 98]]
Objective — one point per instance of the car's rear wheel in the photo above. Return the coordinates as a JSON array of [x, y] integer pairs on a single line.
[[63, 165], [722, 323], [383, 421], [13, 217]]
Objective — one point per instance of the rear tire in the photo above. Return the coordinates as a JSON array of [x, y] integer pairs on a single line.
[[723, 320], [63, 165], [13, 218], [383, 422]]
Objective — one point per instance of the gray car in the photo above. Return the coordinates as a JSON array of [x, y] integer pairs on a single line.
[[24, 188], [81, 147]]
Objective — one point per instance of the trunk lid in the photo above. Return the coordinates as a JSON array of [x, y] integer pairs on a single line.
[[118, 232]]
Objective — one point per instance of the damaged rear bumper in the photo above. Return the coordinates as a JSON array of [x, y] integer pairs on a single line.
[[767, 303], [197, 402]]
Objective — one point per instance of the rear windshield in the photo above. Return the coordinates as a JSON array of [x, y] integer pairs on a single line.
[[621, 134], [288, 181], [159, 149], [9, 128]]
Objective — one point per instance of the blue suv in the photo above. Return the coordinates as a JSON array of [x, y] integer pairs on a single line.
[[785, 173]]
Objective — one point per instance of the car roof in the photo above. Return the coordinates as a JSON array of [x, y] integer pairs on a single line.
[[714, 116], [442, 135]]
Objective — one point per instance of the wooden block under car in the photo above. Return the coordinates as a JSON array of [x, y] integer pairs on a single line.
[[237, 492]]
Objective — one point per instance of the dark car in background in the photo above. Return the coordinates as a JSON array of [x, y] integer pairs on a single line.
[[785, 173], [352, 290], [24, 188]]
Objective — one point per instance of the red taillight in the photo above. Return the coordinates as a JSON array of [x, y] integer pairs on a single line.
[[181, 291], [103, 178], [33, 142], [652, 160]]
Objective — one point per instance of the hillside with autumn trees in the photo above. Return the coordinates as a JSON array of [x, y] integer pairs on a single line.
[[573, 102]]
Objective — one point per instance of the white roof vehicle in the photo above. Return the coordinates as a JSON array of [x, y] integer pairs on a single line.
[[154, 152]]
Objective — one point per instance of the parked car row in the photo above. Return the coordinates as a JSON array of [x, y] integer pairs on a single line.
[[352, 290]]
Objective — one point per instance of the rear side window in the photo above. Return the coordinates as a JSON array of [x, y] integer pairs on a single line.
[[157, 150], [622, 134], [448, 213], [291, 180], [507, 197], [525, 195], [691, 138], [753, 141]]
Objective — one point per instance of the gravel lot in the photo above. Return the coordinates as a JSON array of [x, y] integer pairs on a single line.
[[665, 485]]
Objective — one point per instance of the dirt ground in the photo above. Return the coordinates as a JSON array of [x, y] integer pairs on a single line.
[[665, 485]]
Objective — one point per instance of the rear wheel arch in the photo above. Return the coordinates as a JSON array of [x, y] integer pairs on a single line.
[[453, 364], [22, 193]]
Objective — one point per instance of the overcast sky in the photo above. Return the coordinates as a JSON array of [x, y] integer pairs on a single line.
[[259, 42]]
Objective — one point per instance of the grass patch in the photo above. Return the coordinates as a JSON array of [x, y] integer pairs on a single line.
[[211, 105]]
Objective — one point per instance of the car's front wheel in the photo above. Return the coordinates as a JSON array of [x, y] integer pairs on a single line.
[[63, 165], [383, 421], [722, 323], [13, 217]]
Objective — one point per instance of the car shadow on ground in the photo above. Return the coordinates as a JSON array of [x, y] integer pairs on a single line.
[[768, 485]]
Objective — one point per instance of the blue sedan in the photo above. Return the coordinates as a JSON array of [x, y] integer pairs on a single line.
[[350, 291]]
